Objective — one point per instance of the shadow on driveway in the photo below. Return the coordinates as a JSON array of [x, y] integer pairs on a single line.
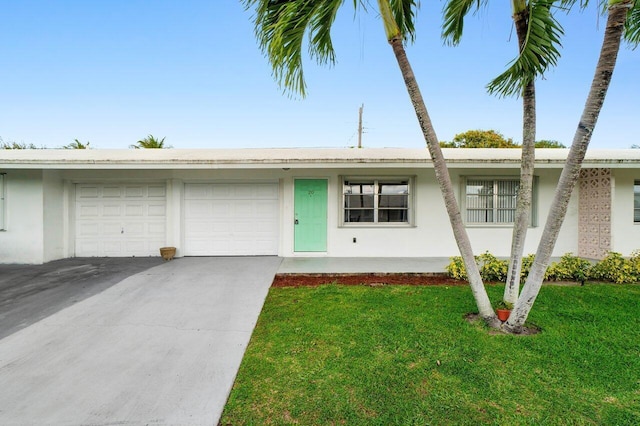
[[29, 293]]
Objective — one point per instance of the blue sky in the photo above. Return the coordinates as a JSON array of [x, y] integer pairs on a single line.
[[112, 72]]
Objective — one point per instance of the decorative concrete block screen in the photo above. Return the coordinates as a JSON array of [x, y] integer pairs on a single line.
[[594, 213]]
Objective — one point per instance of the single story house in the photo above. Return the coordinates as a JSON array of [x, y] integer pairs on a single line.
[[299, 202]]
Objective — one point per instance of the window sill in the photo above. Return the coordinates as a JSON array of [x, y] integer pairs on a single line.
[[493, 225], [376, 225]]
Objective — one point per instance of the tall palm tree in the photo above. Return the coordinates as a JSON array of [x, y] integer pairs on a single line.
[[622, 21], [150, 142], [538, 35], [281, 26]]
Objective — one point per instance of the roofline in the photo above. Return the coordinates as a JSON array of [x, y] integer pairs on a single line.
[[301, 157]]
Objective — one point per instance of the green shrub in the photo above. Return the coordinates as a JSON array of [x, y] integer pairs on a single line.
[[527, 261], [491, 268], [456, 269], [617, 269], [570, 267], [613, 268]]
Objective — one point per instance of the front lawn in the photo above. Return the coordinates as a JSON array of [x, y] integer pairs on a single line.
[[400, 355]]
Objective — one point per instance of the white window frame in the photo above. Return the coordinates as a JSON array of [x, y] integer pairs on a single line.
[[636, 201], [3, 210], [376, 181], [494, 224]]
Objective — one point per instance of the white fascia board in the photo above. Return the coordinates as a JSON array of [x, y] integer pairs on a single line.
[[299, 158]]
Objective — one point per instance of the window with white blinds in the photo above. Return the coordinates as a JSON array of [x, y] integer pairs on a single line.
[[492, 200]]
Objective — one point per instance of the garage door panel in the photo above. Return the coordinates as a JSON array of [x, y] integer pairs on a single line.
[[156, 209], [136, 191], [120, 219], [133, 210], [269, 192], [110, 210], [89, 210], [88, 230], [111, 192], [87, 192], [157, 191], [234, 219], [222, 209], [157, 230], [110, 229]]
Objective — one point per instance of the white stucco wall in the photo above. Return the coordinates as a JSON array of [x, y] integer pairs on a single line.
[[40, 224], [21, 241], [53, 216], [625, 234]]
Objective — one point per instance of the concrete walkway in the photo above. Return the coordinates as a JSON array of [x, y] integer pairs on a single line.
[[161, 347], [345, 265]]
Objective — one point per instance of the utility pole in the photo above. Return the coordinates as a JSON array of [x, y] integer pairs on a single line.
[[360, 126]]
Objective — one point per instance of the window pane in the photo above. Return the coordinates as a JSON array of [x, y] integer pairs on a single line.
[[352, 187], [480, 187], [506, 216], [636, 201], [397, 201], [359, 200], [394, 188], [393, 216], [359, 215], [479, 216]]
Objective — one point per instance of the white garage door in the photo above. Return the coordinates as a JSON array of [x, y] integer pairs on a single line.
[[120, 220], [231, 219]]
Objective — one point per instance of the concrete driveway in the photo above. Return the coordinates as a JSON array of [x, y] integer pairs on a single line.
[[161, 347]]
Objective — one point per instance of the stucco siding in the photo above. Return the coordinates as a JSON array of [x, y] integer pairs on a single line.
[[40, 208], [21, 241], [53, 216], [625, 234]]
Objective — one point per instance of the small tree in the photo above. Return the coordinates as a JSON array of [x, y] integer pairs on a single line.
[[76, 144], [150, 142], [480, 139], [549, 144]]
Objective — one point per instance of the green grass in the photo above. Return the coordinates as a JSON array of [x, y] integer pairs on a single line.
[[400, 355]]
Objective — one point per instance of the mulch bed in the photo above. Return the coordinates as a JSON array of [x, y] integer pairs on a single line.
[[370, 279]]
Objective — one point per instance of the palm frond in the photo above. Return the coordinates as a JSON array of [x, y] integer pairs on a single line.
[[632, 26], [569, 4], [281, 27], [454, 13], [539, 51], [404, 12]]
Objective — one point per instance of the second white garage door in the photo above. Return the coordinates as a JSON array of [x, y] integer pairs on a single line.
[[227, 219]]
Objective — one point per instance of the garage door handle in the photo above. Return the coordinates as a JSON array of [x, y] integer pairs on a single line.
[[296, 222]]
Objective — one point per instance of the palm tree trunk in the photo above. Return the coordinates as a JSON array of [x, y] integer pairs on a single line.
[[571, 171], [444, 180], [525, 191]]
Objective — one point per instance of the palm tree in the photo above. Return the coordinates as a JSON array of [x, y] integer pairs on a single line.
[[623, 20], [538, 35], [281, 26], [150, 142], [76, 144]]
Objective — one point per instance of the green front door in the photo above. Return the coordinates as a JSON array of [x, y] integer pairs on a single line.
[[310, 208]]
